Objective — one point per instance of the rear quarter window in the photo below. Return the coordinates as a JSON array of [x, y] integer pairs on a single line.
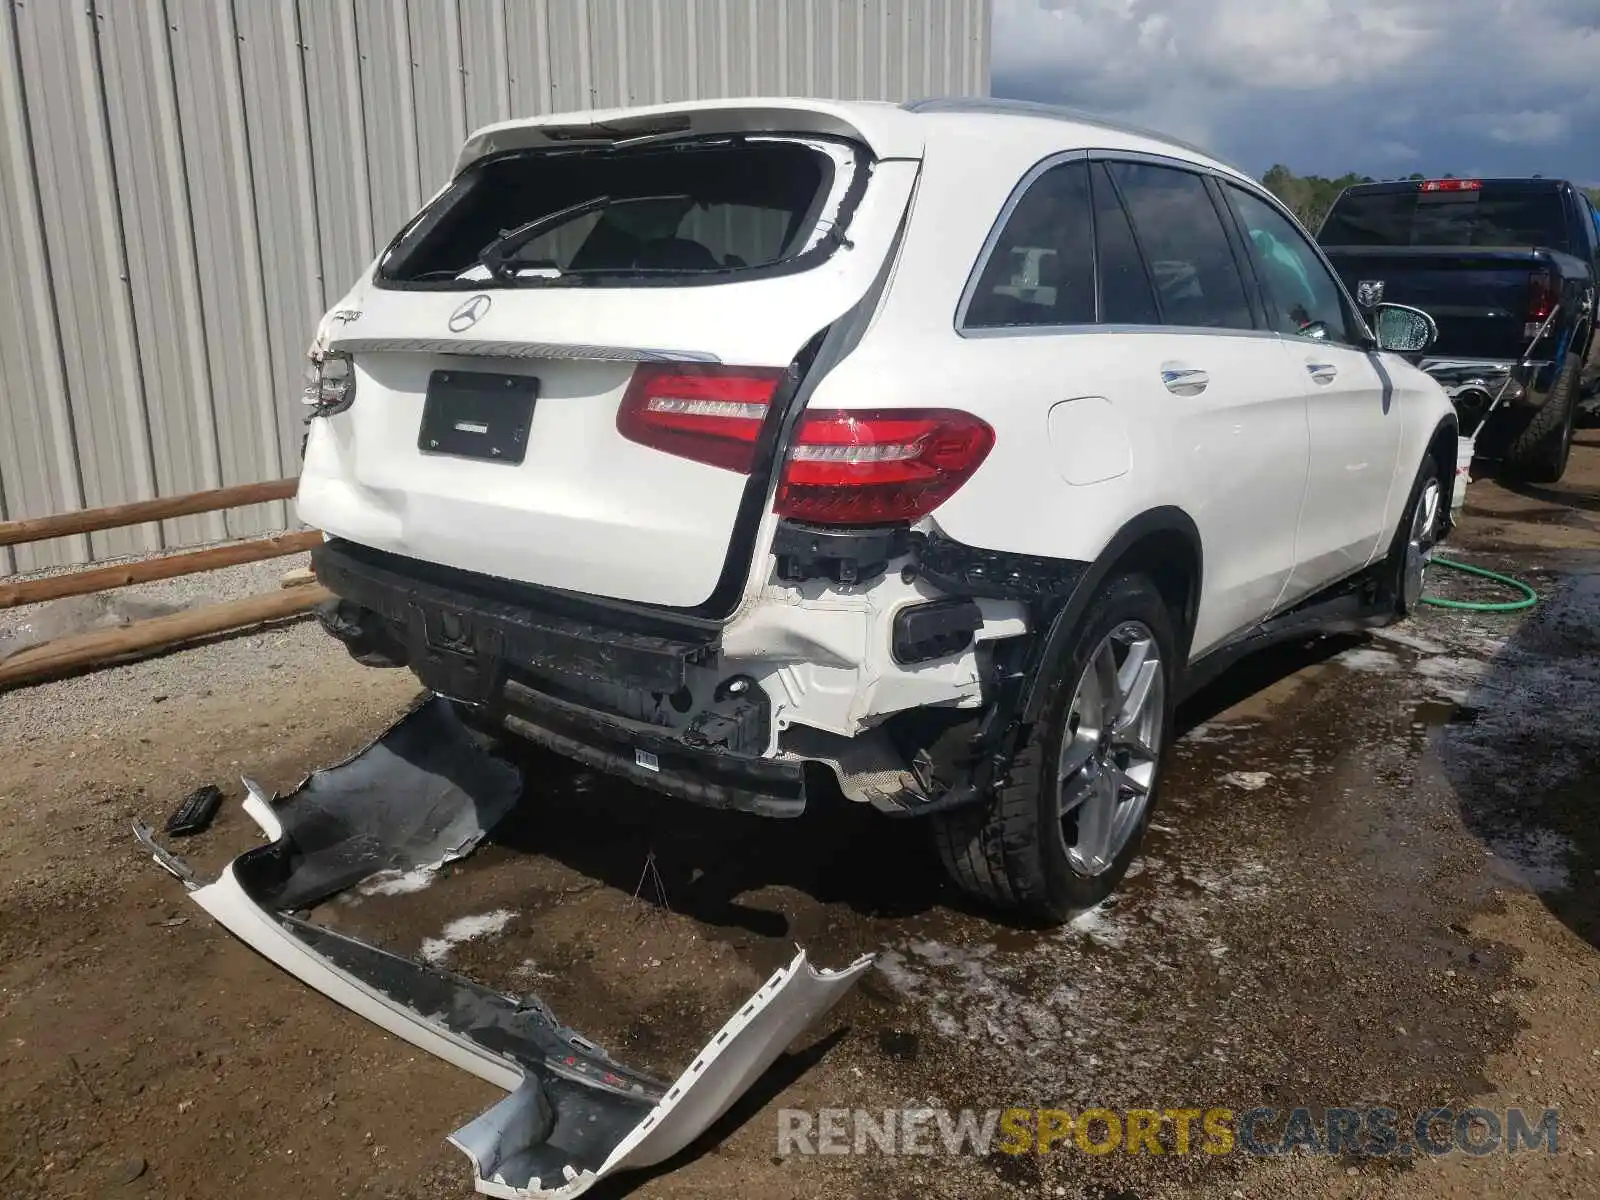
[[703, 209], [1040, 270]]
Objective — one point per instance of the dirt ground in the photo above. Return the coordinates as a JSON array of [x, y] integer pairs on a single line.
[[1373, 880]]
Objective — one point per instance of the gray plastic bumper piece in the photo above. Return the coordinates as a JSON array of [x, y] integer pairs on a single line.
[[424, 794]]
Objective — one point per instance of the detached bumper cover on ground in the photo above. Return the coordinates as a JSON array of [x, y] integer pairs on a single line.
[[422, 795]]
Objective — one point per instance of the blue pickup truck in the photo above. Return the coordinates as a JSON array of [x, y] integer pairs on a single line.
[[1508, 268]]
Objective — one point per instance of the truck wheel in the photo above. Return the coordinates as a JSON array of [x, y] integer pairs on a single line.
[[1059, 831], [1539, 453]]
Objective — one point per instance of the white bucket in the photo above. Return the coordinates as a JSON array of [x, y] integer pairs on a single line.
[[1458, 495]]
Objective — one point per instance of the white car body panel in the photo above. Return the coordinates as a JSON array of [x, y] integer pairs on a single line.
[[1355, 423], [1292, 484], [587, 510], [1233, 458]]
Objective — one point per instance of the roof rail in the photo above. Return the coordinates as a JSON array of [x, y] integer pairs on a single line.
[[1056, 112]]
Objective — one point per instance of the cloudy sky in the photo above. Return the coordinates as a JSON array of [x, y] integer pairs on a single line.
[[1382, 87]]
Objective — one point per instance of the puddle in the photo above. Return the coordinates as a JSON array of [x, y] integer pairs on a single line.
[[1435, 714], [1535, 858], [1369, 658], [1250, 781]]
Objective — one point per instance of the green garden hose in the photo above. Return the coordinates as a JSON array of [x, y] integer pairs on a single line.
[[1529, 596]]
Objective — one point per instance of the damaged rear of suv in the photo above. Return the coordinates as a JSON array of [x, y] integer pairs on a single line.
[[680, 441], [547, 431]]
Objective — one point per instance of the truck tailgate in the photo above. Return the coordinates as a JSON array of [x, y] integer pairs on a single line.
[[1479, 297]]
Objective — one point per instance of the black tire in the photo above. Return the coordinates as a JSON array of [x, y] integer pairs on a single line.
[[1539, 453], [1396, 565], [1008, 851]]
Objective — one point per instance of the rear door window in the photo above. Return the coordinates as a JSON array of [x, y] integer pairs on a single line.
[[1040, 270], [1472, 214], [1191, 262], [703, 208], [1126, 296]]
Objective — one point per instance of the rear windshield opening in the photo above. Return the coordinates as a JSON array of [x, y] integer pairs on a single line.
[[1490, 216], [666, 212]]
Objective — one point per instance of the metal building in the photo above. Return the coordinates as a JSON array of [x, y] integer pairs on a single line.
[[186, 185]]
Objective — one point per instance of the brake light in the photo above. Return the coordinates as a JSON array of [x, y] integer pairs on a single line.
[[330, 384], [1451, 185], [1541, 297], [850, 467], [709, 414]]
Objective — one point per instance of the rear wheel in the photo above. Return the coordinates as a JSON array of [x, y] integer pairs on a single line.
[[1059, 832], [1539, 453]]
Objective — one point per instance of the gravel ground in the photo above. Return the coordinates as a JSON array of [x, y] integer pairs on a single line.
[[96, 702]]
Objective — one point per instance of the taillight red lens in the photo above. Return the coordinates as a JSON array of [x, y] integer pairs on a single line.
[[850, 467], [1541, 296], [709, 414]]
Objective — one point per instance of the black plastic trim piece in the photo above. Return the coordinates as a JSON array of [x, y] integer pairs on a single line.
[[954, 566], [457, 626], [843, 555], [703, 775], [1345, 608], [938, 629]]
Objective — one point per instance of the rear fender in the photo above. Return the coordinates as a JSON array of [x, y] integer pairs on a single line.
[[1166, 520]]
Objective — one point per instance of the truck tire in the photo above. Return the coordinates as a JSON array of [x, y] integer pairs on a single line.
[[1059, 830], [1539, 453]]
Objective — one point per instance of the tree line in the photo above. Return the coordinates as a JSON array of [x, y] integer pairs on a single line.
[[1310, 196]]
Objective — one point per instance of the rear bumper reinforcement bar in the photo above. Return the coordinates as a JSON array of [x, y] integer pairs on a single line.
[[656, 760], [445, 618]]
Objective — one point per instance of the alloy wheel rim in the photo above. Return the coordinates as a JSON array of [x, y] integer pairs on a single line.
[[1110, 748], [1419, 546]]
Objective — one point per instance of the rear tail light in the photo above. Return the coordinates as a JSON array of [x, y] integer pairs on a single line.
[[330, 384], [851, 467], [712, 415], [1451, 185], [1541, 297]]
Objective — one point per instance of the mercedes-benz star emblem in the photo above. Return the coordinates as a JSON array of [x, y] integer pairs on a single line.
[[470, 313]]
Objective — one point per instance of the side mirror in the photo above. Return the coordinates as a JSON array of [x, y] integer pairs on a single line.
[[1403, 329]]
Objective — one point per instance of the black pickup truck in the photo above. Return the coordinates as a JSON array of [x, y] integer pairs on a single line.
[[1508, 269]]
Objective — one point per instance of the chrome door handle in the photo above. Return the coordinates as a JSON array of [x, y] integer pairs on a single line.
[[1323, 373], [1183, 381]]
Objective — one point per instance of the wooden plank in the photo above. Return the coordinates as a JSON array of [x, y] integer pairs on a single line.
[[297, 577], [115, 516], [166, 566], [105, 646]]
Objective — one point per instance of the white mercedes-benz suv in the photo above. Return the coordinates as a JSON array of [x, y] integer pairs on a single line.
[[742, 448]]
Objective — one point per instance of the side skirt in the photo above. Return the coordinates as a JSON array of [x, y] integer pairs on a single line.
[[1354, 605]]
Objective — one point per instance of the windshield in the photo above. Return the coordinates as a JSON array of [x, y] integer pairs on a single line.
[[685, 209], [1492, 215]]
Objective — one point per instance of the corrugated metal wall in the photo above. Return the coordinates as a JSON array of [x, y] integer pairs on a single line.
[[186, 185]]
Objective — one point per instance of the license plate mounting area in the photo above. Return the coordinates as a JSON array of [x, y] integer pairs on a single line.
[[478, 414]]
